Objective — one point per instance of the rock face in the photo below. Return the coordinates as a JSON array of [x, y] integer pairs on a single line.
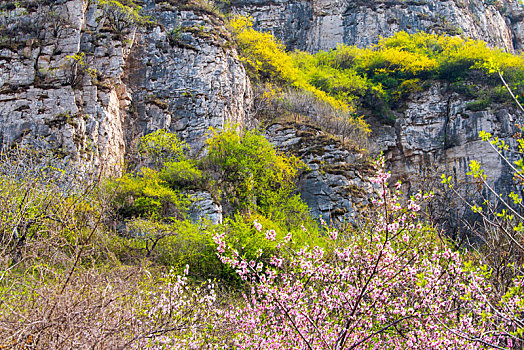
[[76, 82], [88, 88], [322, 24], [437, 133], [55, 94], [205, 207], [184, 78], [336, 184]]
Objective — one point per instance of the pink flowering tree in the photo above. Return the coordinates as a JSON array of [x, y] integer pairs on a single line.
[[179, 314], [390, 284]]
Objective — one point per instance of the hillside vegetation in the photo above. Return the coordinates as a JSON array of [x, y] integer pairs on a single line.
[[353, 80], [118, 263]]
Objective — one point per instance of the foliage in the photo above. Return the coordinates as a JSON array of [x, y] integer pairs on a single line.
[[162, 146], [176, 243], [350, 79], [251, 174], [122, 14], [79, 67], [148, 195], [266, 59], [241, 167], [182, 242], [155, 192], [388, 284], [400, 63], [478, 105], [182, 174], [501, 232], [349, 73], [53, 234]]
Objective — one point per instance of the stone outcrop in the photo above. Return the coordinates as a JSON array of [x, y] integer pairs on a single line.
[[184, 76], [205, 207], [48, 95], [74, 82], [438, 132], [336, 184], [322, 24], [87, 88]]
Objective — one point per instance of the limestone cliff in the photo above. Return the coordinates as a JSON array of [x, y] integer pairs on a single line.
[[336, 184], [439, 129], [75, 81], [185, 77], [438, 132], [322, 24]]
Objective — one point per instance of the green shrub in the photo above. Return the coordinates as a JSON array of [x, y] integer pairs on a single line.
[[351, 77], [122, 14], [155, 192], [182, 174], [162, 146], [182, 242], [147, 195], [478, 105], [267, 60], [499, 94], [249, 170]]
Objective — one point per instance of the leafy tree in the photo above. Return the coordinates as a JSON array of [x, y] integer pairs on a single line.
[[389, 283], [122, 14], [162, 146], [252, 175], [154, 192]]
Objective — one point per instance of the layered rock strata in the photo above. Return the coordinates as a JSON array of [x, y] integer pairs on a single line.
[[336, 184], [75, 82], [438, 132], [322, 24]]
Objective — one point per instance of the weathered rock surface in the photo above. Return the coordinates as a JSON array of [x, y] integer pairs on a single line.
[[336, 185], [185, 78], [50, 97], [322, 24], [437, 133], [69, 80], [175, 74], [205, 207]]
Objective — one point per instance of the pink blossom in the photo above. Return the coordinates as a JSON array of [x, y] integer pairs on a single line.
[[271, 235]]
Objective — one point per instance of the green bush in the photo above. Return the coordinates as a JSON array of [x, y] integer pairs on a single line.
[[122, 14], [155, 192], [252, 179], [162, 146], [182, 174], [182, 242], [266, 60], [147, 195], [249, 171], [478, 105]]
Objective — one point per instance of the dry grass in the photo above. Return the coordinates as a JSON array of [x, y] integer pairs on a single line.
[[62, 285], [301, 105], [95, 310]]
